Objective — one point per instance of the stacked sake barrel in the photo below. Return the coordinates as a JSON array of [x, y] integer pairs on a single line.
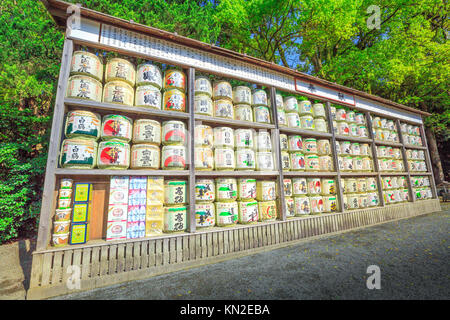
[[384, 129], [411, 134], [175, 205], [347, 122], [390, 159], [305, 154], [305, 196], [421, 187], [395, 189], [304, 115], [354, 156], [416, 160], [360, 193]]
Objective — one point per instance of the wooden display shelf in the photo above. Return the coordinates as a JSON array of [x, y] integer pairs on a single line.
[[237, 173], [233, 123], [388, 143], [415, 174], [112, 107], [411, 146], [306, 133], [351, 138], [384, 173], [359, 174], [114, 172], [308, 174]]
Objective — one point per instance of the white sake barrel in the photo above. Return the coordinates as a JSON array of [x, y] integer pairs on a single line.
[[264, 161], [203, 158], [148, 96], [263, 141], [205, 215], [259, 98], [82, 124], [329, 204], [312, 162], [86, 63], [113, 155], [203, 86], [224, 159], [84, 87], [120, 69], [355, 149], [364, 149], [347, 163], [298, 161], [244, 138], [291, 105], [290, 207], [227, 213], [305, 108], [363, 200], [341, 114], [265, 190], [353, 129], [295, 143], [314, 186], [293, 120], [223, 108], [307, 122], [360, 119], [116, 127], [205, 190], [279, 101], [223, 137], [284, 144], [343, 128], [118, 92], [310, 146], [282, 119], [328, 186], [226, 189], [323, 147], [316, 204], [203, 105], [173, 157], [145, 156], [242, 95], [333, 112], [222, 90], [302, 206], [261, 114], [361, 185], [319, 110], [245, 159], [287, 187], [203, 136], [352, 201], [78, 154], [149, 74], [173, 132], [246, 189], [357, 164], [351, 116], [373, 199], [248, 212], [299, 186], [320, 125], [326, 163]]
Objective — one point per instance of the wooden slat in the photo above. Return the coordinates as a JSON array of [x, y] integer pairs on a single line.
[[67, 261], [120, 258], [221, 242], [226, 242], [209, 245], [198, 246], [36, 270], [159, 252], [129, 256], [113, 256], [204, 246], [137, 255], [185, 255], [151, 253], [95, 266], [172, 251], [192, 247], [166, 251], [57, 268], [86, 263], [215, 245], [144, 255]]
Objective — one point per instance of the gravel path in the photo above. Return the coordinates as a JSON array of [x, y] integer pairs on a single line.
[[413, 256]]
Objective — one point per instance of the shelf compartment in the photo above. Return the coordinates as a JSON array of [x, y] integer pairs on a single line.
[[306, 133], [233, 123], [113, 172], [384, 173], [112, 107]]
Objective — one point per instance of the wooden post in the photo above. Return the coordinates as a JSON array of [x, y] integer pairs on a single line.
[[277, 149], [339, 190], [53, 152], [376, 165], [428, 161], [191, 225], [405, 161]]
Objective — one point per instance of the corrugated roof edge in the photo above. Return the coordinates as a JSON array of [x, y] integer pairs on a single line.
[[58, 9]]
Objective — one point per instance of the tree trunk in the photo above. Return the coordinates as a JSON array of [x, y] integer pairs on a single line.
[[438, 172]]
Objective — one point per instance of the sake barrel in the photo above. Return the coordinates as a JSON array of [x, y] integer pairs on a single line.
[[149, 74], [145, 156], [173, 157], [203, 136], [394, 182], [387, 135], [243, 112], [360, 119], [284, 144], [305, 108], [174, 79], [347, 163], [390, 125], [353, 129], [302, 206], [120, 69], [224, 159], [351, 185], [383, 123], [174, 100], [379, 134], [367, 164], [116, 127], [363, 201], [307, 122], [320, 125], [86, 63], [361, 131], [351, 117], [357, 164], [341, 114], [352, 201], [222, 90], [285, 161], [202, 86], [263, 141], [245, 159], [289, 207], [387, 182], [293, 120], [319, 110], [259, 98], [226, 189], [341, 163], [113, 155], [329, 204], [248, 212], [265, 190], [78, 154], [328, 186], [148, 96], [223, 137], [226, 213], [310, 146], [205, 215], [246, 189], [298, 161], [223, 108], [175, 192], [82, 124], [279, 101], [373, 199], [335, 128], [287, 187], [355, 149], [264, 161], [323, 147], [381, 152], [282, 120], [267, 210], [173, 132], [147, 131], [338, 147], [291, 105], [261, 114], [203, 105], [244, 139], [326, 163], [175, 219], [203, 158], [314, 186], [343, 128], [205, 190], [361, 185], [316, 204], [84, 87], [242, 95], [299, 186], [364, 149], [333, 112], [376, 122]]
